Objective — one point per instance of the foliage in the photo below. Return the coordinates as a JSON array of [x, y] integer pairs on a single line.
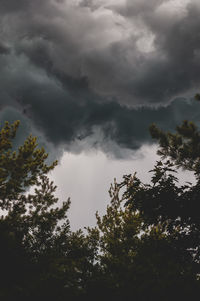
[[182, 147], [39, 254], [145, 247], [141, 259]]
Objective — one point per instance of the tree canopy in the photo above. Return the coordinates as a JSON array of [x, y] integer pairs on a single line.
[[145, 247]]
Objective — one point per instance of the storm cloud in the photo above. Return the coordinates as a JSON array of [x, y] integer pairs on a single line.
[[88, 73]]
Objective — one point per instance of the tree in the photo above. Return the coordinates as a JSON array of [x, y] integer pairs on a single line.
[[150, 234], [29, 222], [182, 148], [40, 257], [170, 210], [145, 247], [140, 259]]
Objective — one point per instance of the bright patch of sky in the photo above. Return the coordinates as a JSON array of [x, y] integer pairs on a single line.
[[86, 179]]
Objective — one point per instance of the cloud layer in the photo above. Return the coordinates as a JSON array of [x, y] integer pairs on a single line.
[[101, 70]]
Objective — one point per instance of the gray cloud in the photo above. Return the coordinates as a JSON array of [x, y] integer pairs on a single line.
[[99, 71], [3, 49]]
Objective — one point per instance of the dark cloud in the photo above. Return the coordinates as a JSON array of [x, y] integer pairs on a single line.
[[4, 49], [98, 71], [106, 45], [107, 126]]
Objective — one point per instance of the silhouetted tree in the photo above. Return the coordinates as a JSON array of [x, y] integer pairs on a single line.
[[145, 247], [139, 257], [40, 257]]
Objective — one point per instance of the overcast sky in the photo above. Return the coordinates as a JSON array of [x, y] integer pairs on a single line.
[[88, 77]]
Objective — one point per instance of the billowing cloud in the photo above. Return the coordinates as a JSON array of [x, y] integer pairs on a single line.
[[101, 70]]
